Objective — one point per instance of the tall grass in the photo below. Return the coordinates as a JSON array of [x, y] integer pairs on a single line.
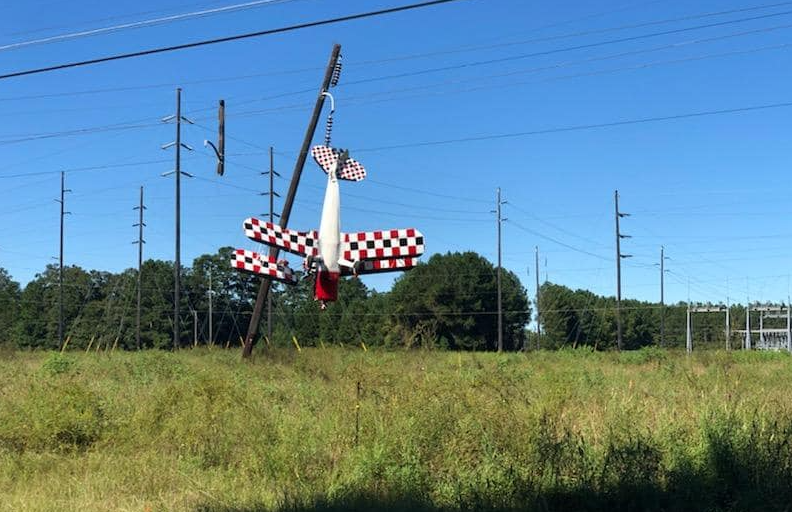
[[571, 430]]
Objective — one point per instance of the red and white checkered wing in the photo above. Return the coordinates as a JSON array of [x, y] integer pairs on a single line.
[[262, 265], [382, 245], [301, 243], [327, 158]]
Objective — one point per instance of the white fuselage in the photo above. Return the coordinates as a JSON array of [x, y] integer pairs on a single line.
[[330, 225]]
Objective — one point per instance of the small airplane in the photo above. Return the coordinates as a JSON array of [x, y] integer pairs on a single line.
[[329, 253]]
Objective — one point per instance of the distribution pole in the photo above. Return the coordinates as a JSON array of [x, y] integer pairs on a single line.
[[272, 194], [747, 343], [195, 327], [499, 221], [789, 326], [538, 311], [688, 333], [139, 243], [728, 324], [662, 296], [177, 264], [211, 292], [331, 71], [619, 257], [62, 202]]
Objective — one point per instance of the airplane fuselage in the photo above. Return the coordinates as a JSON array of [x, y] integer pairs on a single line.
[[330, 226], [329, 270]]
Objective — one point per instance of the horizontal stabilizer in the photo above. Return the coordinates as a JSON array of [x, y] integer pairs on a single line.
[[327, 158], [301, 243], [379, 266], [385, 244], [262, 265]]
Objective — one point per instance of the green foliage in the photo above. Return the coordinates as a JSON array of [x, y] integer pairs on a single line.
[[57, 363], [451, 299], [9, 306]]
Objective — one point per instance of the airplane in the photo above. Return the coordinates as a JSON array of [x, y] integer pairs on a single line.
[[328, 253]]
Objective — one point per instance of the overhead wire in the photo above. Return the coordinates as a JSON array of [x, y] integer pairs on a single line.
[[219, 40], [584, 33], [141, 24]]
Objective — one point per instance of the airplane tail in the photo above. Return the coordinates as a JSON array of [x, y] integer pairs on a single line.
[[327, 158]]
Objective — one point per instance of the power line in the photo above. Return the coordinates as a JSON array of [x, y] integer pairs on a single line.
[[558, 242], [385, 60], [580, 127], [469, 48], [226, 39], [140, 24], [565, 49], [104, 19]]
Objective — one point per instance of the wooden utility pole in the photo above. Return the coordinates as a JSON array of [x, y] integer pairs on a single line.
[[140, 224], [331, 75], [538, 311], [195, 327], [63, 213], [211, 325], [619, 257], [178, 173], [662, 296]]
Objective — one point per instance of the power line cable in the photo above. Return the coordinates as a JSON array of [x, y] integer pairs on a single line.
[[469, 48], [237, 37], [561, 50], [141, 24], [581, 127], [556, 241]]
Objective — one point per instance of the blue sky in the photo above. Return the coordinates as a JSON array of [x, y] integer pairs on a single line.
[[712, 189]]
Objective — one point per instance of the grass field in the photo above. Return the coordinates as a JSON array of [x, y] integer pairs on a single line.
[[572, 430]]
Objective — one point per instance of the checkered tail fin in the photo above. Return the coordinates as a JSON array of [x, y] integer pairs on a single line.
[[327, 158]]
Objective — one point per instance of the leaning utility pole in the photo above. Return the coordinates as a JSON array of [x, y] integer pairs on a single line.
[[538, 312], [330, 78], [619, 257], [272, 195], [177, 172], [140, 224], [62, 202], [499, 220]]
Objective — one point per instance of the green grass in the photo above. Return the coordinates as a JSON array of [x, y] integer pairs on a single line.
[[202, 431]]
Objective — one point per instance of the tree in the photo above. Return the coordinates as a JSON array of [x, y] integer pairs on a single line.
[[37, 326], [9, 306], [453, 299]]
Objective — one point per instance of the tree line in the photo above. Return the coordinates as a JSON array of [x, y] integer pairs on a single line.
[[581, 318], [449, 301]]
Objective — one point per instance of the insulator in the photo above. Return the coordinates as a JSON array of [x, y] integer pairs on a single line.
[[328, 128], [336, 72]]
